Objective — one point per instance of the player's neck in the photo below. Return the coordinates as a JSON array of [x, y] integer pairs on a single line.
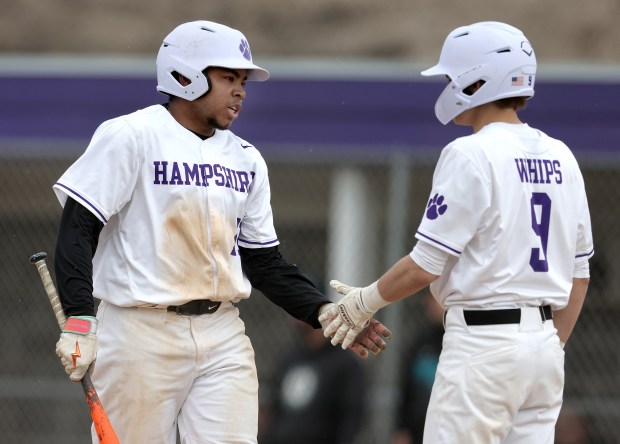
[[183, 114], [483, 115]]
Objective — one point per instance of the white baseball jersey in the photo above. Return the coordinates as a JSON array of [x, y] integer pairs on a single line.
[[508, 204], [175, 209]]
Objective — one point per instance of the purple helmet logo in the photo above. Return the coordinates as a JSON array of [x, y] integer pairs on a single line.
[[244, 47]]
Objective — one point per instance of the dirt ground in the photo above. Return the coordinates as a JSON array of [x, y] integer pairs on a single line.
[[560, 30]]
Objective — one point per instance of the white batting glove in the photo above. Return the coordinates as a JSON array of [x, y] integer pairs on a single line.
[[77, 346], [327, 314], [370, 339], [352, 313]]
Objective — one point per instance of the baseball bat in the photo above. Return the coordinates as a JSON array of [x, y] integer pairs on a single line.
[[105, 431]]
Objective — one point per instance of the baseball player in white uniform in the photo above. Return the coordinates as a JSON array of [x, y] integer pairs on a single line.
[[504, 244], [167, 220]]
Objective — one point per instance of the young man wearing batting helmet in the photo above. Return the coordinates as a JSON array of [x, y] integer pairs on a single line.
[[504, 244], [167, 220]]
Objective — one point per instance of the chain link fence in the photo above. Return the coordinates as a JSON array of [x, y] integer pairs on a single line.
[[385, 188]]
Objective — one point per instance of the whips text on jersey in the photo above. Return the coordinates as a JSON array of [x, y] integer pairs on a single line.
[[539, 170]]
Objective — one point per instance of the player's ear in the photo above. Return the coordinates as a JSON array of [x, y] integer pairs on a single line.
[[471, 89], [184, 81]]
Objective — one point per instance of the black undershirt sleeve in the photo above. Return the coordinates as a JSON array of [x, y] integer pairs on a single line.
[[282, 283], [78, 236]]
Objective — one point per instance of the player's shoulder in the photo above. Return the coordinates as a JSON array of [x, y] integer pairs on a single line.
[[554, 147], [146, 116], [246, 148], [137, 119], [552, 141], [243, 144], [465, 145]]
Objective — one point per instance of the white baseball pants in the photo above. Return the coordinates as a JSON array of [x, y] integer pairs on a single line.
[[156, 369], [496, 383]]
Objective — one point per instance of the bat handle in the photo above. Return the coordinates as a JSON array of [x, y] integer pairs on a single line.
[[39, 261], [105, 431]]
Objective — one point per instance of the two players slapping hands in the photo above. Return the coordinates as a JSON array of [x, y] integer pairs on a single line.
[[349, 321]]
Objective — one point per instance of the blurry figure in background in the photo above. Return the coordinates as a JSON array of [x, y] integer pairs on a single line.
[[319, 397], [572, 428], [418, 375]]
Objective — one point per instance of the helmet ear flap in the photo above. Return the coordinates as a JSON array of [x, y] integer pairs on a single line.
[[169, 81]]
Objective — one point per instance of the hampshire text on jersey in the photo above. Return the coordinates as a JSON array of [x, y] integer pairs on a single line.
[[171, 173]]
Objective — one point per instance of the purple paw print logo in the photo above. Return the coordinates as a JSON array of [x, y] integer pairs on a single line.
[[244, 47], [435, 207]]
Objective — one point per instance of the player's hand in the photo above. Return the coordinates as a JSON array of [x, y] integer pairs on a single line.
[[372, 338], [349, 317], [77, 346]]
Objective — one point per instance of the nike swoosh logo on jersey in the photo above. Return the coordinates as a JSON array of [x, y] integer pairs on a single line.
[[246, 146], [211, 307]]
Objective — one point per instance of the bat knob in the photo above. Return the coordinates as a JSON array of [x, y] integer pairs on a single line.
[[37, 257]]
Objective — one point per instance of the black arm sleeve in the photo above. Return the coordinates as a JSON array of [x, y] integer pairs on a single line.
[[284, 284], [78, 236]]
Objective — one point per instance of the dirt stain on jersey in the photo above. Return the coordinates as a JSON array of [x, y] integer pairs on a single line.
[[222, 243], [196, 249]]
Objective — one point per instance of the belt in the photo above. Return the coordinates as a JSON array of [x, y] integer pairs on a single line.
[[507, 316], [197, 307]]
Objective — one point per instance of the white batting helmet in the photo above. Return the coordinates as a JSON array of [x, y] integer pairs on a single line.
[[496, 53], [193, 47]]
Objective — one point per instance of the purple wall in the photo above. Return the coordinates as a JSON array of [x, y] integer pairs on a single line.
[[323, 112]]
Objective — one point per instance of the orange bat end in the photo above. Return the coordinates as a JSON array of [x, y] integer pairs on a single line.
[[103, 427]]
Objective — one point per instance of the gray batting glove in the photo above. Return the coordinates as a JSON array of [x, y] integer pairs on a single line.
[[77, 346]]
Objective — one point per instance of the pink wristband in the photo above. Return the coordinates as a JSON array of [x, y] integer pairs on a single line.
[[79, 325]]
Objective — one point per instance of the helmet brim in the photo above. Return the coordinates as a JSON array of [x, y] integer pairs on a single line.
[[255, 72], [436, 70], [258, 74]]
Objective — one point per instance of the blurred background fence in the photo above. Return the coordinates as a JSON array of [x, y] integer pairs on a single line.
[[363, 143]]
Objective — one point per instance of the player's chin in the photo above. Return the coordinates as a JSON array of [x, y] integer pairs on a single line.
[[221, 124], [228, 121]]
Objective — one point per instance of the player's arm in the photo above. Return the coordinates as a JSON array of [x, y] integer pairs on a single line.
[[283, 283], [287, 286], [78, 236], [405, 278], [409, 275], [565, 319], [77, 241]]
